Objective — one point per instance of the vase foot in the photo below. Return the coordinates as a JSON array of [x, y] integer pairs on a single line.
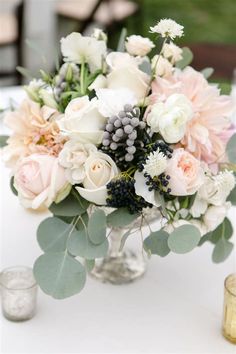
[[122, 269]]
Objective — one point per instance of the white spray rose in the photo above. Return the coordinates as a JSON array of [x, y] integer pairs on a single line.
[[82, 121], [73, 157], [170, 118], [172, 52], [138, 45], [215, 215], [99, 171], [80, 49], [162, 66]]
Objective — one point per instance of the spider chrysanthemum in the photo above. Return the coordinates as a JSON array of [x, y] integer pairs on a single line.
[[168, 28]]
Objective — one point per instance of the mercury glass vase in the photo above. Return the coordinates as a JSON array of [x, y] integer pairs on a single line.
[[229, 318]]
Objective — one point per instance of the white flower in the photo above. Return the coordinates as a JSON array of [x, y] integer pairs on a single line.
[[162, 66], [73, 157], [170, 118], [172, 52], [126, 74], [215, 215], [99, 171], [48, 98], [99, 82], [33, 88], [111, 102], [80, 49], [156, 163], [138, 45], [83, 121], [99, 34], [168, 28], [141, 189], [199, 206]]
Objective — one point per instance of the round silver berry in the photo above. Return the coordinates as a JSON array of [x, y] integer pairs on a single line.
[[134, 122], [128, 129], [113, 146], [131, 149], [129, 157], [142, 125], [106, 135], [128, 108], [133, 135], [126, 121], [122, 114], [129, 142], [115, 138], [117, 123], [109, 127], [106, 142], [120, 132]]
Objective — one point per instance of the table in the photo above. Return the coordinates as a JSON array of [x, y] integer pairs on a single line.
[[175, 308]]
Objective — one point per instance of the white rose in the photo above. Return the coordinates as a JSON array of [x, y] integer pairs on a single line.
[[73, 157], [138, 45], [99, 171], [126, 74], [170, 118], [99, 82], [215, 215], [83, 121], [80, 49], [162, 66], [172, 52]]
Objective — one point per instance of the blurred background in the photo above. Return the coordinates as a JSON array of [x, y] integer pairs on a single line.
[[30, 30]]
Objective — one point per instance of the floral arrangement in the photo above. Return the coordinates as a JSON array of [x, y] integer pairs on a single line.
[[113, 134]]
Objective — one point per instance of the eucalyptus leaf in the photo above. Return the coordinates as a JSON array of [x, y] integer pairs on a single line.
[[59, 274], [121, 43], [70, 206], [97, 227], [157, 243], [207, 72], [224, 230], [184, 238], [24, 72], [222, 250], [13, 189], [146, 67], [187, 57], [205, 238], [231, 149], [3, 140], [121, 217], [89, 263], [232, 196]]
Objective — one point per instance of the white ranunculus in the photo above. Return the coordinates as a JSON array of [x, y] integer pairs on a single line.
[[111, 102], [170, 118], [82, 121], [162, 66], [73, 157], [172, 52], [215, 215], [142, 190], [125, 73], [138, 45], [99, 171], [99, 34], [80, 49]]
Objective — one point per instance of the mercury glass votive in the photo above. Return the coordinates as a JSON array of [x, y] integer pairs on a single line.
[[229, 319], [18, 293]]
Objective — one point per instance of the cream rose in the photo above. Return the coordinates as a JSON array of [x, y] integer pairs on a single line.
[[83, 121], [138, 45], [99, 171], [40, 180], [215, 215], [73, 157], [170, 118], [186, 173]]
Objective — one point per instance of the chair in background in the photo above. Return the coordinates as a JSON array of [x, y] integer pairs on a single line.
[[221, 57], [11, 34]]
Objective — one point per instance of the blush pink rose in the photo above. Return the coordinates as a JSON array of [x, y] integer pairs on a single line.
[[40, 180], [186, 173]]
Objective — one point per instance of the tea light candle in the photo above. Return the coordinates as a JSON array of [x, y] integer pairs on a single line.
[[229, 319], [18, 293]]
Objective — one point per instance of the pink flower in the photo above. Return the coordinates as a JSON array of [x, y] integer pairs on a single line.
[[34, 130], [186, 173], [40, 180], [208, 131]]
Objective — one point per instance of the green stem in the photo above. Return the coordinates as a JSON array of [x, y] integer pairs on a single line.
[[82, 72]]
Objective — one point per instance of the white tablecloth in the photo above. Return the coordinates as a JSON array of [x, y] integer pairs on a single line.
[[175, 308]]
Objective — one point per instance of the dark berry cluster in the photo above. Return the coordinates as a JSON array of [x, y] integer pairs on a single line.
[[123, 135], [158, 183], [121, 193]]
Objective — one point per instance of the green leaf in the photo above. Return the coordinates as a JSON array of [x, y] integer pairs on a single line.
[[225, 88], [121, 43], [24, 72], [97, 227], [13, 189], [187, 58], [121, 217], [3, 140], [145, 66], [53, 233], [157, 243], [89, 263], [70, 206], [224, 230], [59, 274], [232, 196], [231, 149], [205, 238], [184, 239], [207, 72], [222, 250]]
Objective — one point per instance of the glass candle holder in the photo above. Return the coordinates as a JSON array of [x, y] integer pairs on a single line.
[[18, 293], [229, 319]]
